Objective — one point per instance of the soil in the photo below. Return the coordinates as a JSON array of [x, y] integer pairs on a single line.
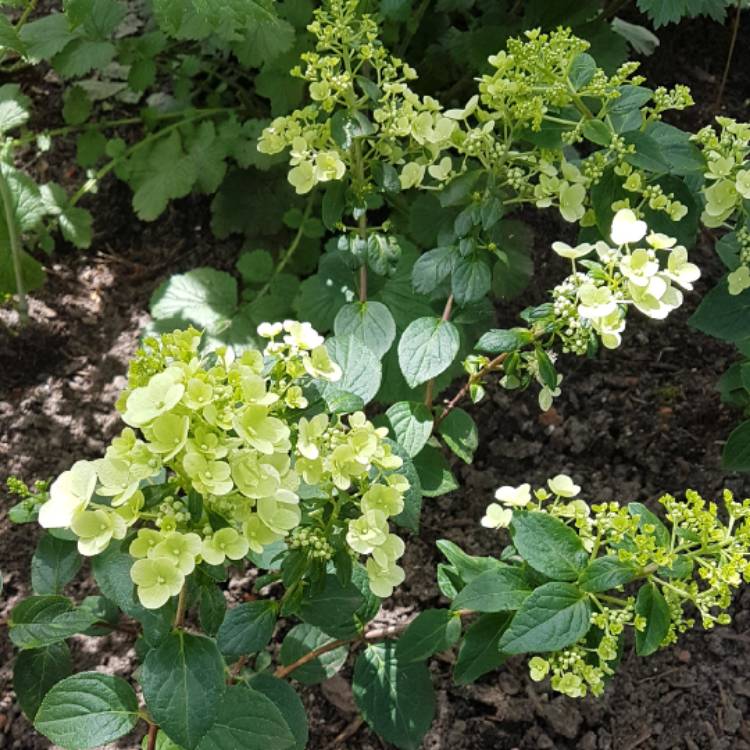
[[630, 425]]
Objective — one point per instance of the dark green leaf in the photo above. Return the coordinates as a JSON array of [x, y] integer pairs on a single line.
[[411, 423], [183, 685], [479, 653], [660, 531], [42, 620], [396, 700], [302, 639], [369, 322], [247, 628], [460, 433], [285, 698], [548, 545], [501, 590], [427, 348], [651, 605], [606, 573], [434, 472], [36, 671], [431, 631], [332, 608], [736, 453], [87, 710], [55, 563], [500, 340], [554, 616]]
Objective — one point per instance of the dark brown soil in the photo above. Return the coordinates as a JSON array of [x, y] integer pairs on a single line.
[[630, 425]]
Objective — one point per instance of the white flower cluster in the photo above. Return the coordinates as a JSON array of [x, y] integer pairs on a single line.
[[628, 271]]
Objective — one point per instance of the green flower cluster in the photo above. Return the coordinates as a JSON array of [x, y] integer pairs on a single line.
[[223, 441], [727, 188], [691, 563]]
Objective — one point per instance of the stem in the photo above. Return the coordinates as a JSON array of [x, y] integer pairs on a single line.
[[28, 10], [730, 54], [363, 283], [15, 248], [288, 253], [153, 730], [431, 382], [491, 366], [179, 617], [107, 168], [613, 8], [378, 634]]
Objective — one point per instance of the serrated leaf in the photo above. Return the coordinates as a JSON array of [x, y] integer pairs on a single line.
[[431, 268], [479, 653], [285, 698], [411, 424], [500, 340], [736, 453], [54, 563], [82, 56], [247, 628], [427, 348], [212, 608], [553, 616], [36, 671], [434, 472], [14, 106], [46, 36], [332, 608], [183, 685], [370, 322], [39, 621], [204, 296], [431, 631], [302, 639], [255, 266], [606, 573], [249, 720], [362, 371], [651, 605], [396, 700], [459, 431], [87, 710], [548, 545], [501, 590], [471, 280]]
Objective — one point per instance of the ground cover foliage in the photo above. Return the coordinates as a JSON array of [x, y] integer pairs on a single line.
[[246, 439]]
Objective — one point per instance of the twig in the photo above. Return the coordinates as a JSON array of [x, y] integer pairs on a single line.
[[730, 54], [153, 730], [348, 732]]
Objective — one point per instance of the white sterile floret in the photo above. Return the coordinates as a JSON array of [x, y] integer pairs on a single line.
[[496, 517], [679, 270], [660, 241], [566, 251], [639, 266], [514, 496], [595, 302], [301, 335], [563, 486], [270, 330], [627, 228], [69, 494], [739, 280]]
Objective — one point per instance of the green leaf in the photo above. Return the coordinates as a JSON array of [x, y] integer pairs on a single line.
[[42, 620], [431, 268], [255, 266], [82, 56], [501, 590], [498, 340], [249, 720], [36, 671], [411, 423], [183, 685], [87, 710], [468, 567], [435, 474], [660, 531], [266, 35], [347, 126], [396, 700], [285, 698], [212, 608], [722, 315], [471, 280], [663, 12], [546, 369], [370, 322], [362, 371], [204, 296], [479, 653], [582, 70], [460, 433], [554, 616], [597, 132], [247, 628], [111, 570], [511, 273], [9, 36], [548, 545], [606, 573], [160, 173], [46, 36], [332, 608], [426, 348], [430, 632], [651, 605], [14, 106], [736, 453], [302, 639], [55, 563]]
